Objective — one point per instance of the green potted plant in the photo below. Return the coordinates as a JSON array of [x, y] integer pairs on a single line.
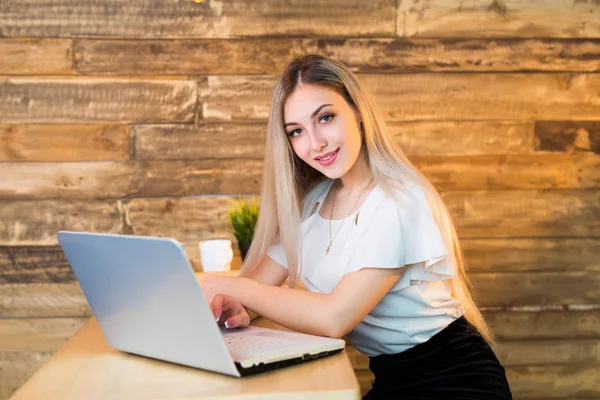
[[243, 216]]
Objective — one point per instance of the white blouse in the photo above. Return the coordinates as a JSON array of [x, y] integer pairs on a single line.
[[387, 235]]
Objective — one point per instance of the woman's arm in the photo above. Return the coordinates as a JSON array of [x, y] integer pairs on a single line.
[[268, 272], [333, 314]]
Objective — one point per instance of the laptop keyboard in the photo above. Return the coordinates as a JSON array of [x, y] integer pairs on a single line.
[[256, 346]]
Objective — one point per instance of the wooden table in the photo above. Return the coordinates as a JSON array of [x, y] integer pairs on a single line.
[[85, 367]]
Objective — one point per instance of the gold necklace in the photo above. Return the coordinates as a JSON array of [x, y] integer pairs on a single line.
[[343, 220]]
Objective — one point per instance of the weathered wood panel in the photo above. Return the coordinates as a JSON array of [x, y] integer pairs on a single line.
[[555, 381], [536, 288], [524, 353], [455, 138], [537, 382], [28, 264], [90, 180], [36, 56], [184, 142], [269, 56], [37, 222], [247, 140], [557, 171], [209, 19], [63, 142], [89, 100], [236, 97], [520, 213], [531, 254], [189, 219], [469, 54], [432, 96], [544, 325], [48, 264], [179, 57], [37, 334], [568, 136], [506, 18], [17, 367], [35, 300]]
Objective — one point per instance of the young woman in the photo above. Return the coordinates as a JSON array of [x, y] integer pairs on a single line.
[[344, 212]]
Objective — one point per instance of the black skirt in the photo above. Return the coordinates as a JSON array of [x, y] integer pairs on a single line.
[[456, 363]]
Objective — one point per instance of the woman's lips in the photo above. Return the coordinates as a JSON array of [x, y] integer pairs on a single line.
[[329, 160]]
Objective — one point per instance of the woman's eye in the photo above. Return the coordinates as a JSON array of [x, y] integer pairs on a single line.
[[328, 116], [292, 132]]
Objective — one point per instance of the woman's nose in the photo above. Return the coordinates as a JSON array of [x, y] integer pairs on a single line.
[[317, 142]]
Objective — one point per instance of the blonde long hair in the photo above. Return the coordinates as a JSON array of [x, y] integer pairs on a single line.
[[286, 178]]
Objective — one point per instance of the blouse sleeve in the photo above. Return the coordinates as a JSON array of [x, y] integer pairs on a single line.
[[275, 251], [404, 235]]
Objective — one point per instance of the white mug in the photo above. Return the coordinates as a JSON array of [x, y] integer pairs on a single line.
[[215, 255]]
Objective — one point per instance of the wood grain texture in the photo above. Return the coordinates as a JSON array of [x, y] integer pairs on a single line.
[[544, 325], [555, 381], [523, 353], [531, 254], [521, 213], [537, 382], [536, 288], [486, 96], [431, 96], [29, 264], [567, 136], [557, 171], [472, 54], [97, 180], [37, 222], [235, 97], [189, 219], [64, 142], [269, 56], [179, 57], [208, 19], [36, 56], [17, 367], [96, 100], [455, 138], [215, 141], [501, 18], [37, 334], [34, 300]]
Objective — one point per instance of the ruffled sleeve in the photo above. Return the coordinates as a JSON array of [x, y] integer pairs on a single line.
[[403, 234]]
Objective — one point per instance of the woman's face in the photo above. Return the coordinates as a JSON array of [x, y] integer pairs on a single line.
[[318, 121]]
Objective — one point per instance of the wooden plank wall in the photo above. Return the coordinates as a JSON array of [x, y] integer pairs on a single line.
[[148, 118]]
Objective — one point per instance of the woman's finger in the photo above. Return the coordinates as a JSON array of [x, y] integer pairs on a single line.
[[217, 305], [238, 321]]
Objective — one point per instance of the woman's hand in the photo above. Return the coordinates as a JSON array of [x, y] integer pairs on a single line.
[[214, 284], [229, 311]]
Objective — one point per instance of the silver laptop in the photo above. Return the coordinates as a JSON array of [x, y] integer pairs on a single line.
[[145, 296]]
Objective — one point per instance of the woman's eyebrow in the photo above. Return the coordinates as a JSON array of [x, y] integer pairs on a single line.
[[311, 115]]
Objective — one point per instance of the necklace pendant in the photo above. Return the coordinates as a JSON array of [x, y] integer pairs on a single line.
[[327, 251]]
